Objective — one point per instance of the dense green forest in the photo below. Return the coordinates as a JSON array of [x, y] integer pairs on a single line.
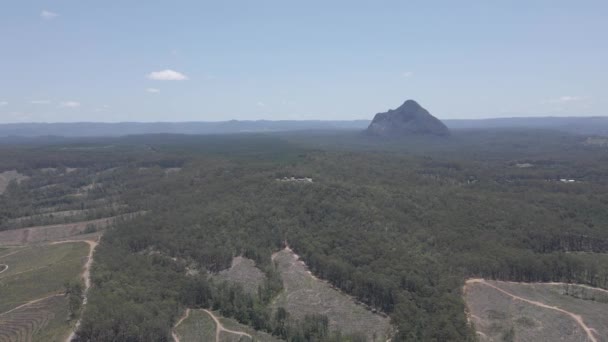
[[399, 224]]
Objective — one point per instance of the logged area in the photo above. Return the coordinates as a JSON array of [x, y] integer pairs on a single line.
[[513, 311], [304, 294]]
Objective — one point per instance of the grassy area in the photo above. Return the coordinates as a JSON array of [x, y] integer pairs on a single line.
[[38, 271], [229, 337], [231, 324], [58, 327], [304, 294], [198, 327], [42, 321], [499, 316]]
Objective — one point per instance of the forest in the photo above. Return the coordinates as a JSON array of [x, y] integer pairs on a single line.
[[400, 225]]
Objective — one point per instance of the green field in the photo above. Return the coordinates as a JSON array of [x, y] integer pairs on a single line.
[[198, 327], [37, 274], [38, 271]]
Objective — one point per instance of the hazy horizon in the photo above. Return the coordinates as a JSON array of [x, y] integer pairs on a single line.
[[209, 62]]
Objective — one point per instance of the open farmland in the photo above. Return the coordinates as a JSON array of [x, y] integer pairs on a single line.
[[44, 320], [536, 311], [305, 294], [33, 302]]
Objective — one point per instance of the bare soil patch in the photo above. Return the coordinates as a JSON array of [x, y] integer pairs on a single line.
[[305, 294], [243, 271], [536, 311]]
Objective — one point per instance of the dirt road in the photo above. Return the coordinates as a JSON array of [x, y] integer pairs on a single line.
[[86, 276], [219, 328], [173, 333], [579, 320]]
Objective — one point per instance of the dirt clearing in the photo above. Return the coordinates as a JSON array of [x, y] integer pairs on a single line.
[[7, 176], [243, 271], [536, 311], [305, 294]]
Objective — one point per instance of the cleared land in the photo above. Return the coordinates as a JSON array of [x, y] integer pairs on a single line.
[[536, 311], [305, 294], [53, 232], [32, 301], [7, 177], [206, 326], [244, 272], [44, 320]]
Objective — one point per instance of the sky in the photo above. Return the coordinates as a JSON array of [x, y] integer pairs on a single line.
[[113, 61]]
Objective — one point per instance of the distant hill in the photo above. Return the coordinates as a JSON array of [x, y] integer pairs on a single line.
[[409, 119], [577, 125], [98, 129]]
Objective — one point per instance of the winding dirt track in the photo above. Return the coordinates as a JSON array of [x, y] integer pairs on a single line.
[[4, 268], [173, 333], [86, 276], [579, 320], [219, 328]]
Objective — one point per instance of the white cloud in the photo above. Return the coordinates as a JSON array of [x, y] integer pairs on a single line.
[[572, 98], [70, 104], [260, 104], [40, 102], [567, 99], [153, 90], [167, 75], [3, 103], [407, 74], [48, 15]]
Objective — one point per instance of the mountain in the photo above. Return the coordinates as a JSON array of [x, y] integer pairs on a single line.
[[409, 119]]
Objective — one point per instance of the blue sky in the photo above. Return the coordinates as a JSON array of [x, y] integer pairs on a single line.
[[73, 60]]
